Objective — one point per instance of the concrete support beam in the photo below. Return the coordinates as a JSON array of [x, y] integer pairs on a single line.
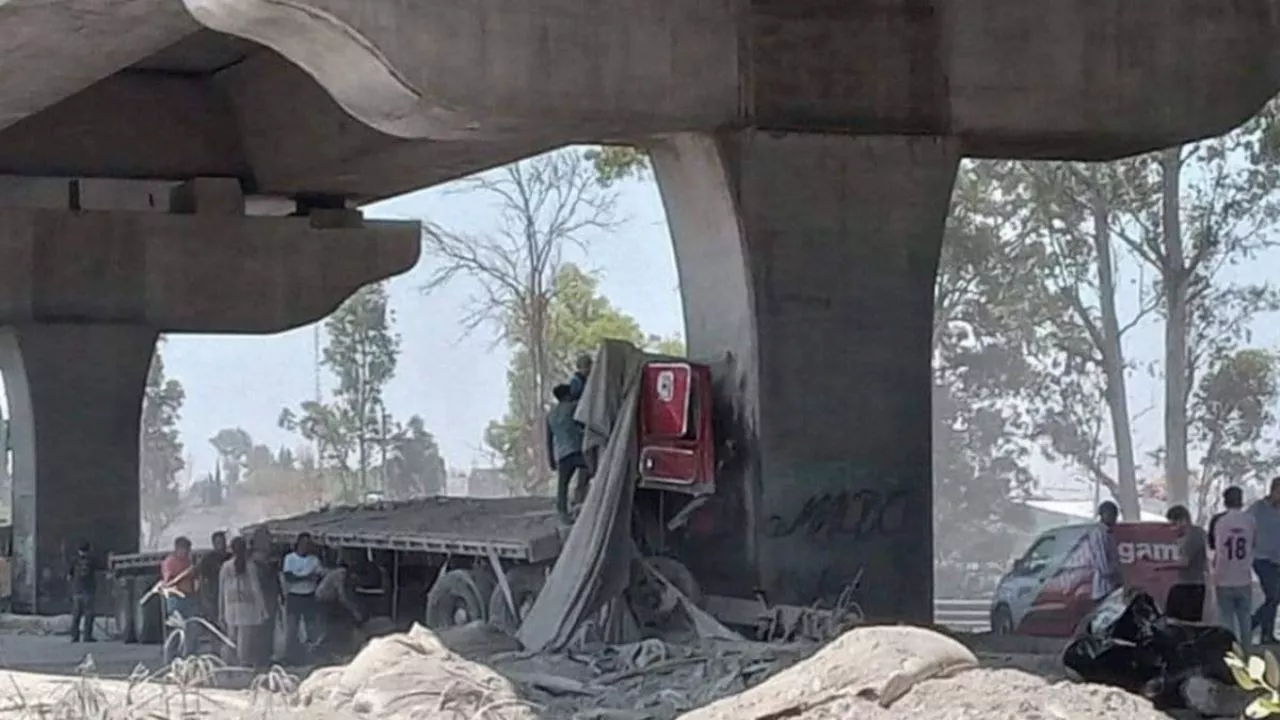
[[810, 261], [189, 129], [83, 296], [75, 391], [63, 46], [1082, 79], [189, 273]]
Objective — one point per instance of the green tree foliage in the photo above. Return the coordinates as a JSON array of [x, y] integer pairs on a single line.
[[1149, 239], [1069, 213], [1234, 407], [673, 346], [161, 451], [984, 337], [581, 317], [233, 446], [361, 354], [614, 163], [414, 467]]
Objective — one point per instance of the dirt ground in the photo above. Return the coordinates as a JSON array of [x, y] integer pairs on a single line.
[[476, 672]]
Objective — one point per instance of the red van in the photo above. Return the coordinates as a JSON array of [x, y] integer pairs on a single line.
[[1050, 588]]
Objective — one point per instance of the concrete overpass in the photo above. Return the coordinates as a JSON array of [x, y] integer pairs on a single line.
[[805, 150]]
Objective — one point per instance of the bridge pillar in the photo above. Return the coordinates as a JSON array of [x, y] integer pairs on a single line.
[[75, 391], [809, 261], [88, 279]]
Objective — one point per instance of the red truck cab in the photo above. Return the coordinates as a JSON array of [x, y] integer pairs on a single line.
[[676, 443]]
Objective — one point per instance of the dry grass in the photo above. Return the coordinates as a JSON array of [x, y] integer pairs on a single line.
[[181, 689]]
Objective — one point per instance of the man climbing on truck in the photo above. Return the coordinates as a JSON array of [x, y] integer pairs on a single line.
[[564, 447], [582, 370]]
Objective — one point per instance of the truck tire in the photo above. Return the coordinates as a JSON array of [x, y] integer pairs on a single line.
[[526, 582], [485, 581], [453, 600]]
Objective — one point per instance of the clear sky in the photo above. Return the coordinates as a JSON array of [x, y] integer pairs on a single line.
[[456, 383]]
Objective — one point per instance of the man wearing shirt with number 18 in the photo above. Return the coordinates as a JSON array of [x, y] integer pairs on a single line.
[[1231, 536]]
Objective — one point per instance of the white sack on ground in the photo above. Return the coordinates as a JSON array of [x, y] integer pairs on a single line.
[[400, 676], [594, 565]]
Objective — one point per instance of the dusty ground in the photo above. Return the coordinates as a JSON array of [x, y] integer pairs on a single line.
[[409, 675]]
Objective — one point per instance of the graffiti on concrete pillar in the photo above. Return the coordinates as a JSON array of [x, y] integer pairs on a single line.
[[853, 515]]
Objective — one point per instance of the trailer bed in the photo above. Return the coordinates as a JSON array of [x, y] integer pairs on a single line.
[[523, 528]]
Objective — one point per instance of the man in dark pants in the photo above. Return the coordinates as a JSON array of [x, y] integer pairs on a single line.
[[83, 578], [564, 447], [1186, 597], [207, 572], [1266, 559], [302, 573]]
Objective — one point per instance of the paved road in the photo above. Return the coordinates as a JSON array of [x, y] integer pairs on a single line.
[[58, 655]]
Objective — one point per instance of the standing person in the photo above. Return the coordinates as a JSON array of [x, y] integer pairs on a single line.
[[84, 585], [564, 446], [582, 370], [1232, 535], [208, 570], [302, 571], [242, 608], [1107, 577], [268, 566], [1266, 559], [1186, 598], [177, 578]]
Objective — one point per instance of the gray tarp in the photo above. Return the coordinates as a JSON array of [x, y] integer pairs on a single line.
[[594, 566]]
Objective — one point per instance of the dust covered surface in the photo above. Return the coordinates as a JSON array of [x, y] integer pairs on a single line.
[[878, 673], [515, 520], [477, 672]]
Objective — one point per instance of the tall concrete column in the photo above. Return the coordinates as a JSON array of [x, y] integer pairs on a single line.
[[808, 261], [76, 393]]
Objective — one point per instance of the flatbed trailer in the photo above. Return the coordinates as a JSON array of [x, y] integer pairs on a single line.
[[432, 556], [521, 529]]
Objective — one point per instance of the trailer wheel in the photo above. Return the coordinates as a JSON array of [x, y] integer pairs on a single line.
[[525, 582], [453, 600], [485, 581]]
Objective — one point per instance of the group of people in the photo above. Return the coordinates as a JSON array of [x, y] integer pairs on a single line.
[[240, 588], [564, 441], [1239, 543]]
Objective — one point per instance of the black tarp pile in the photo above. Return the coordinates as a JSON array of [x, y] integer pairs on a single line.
[[1129, 643]]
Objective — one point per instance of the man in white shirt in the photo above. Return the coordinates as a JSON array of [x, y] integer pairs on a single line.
[[1232, 534], [301, 573]]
